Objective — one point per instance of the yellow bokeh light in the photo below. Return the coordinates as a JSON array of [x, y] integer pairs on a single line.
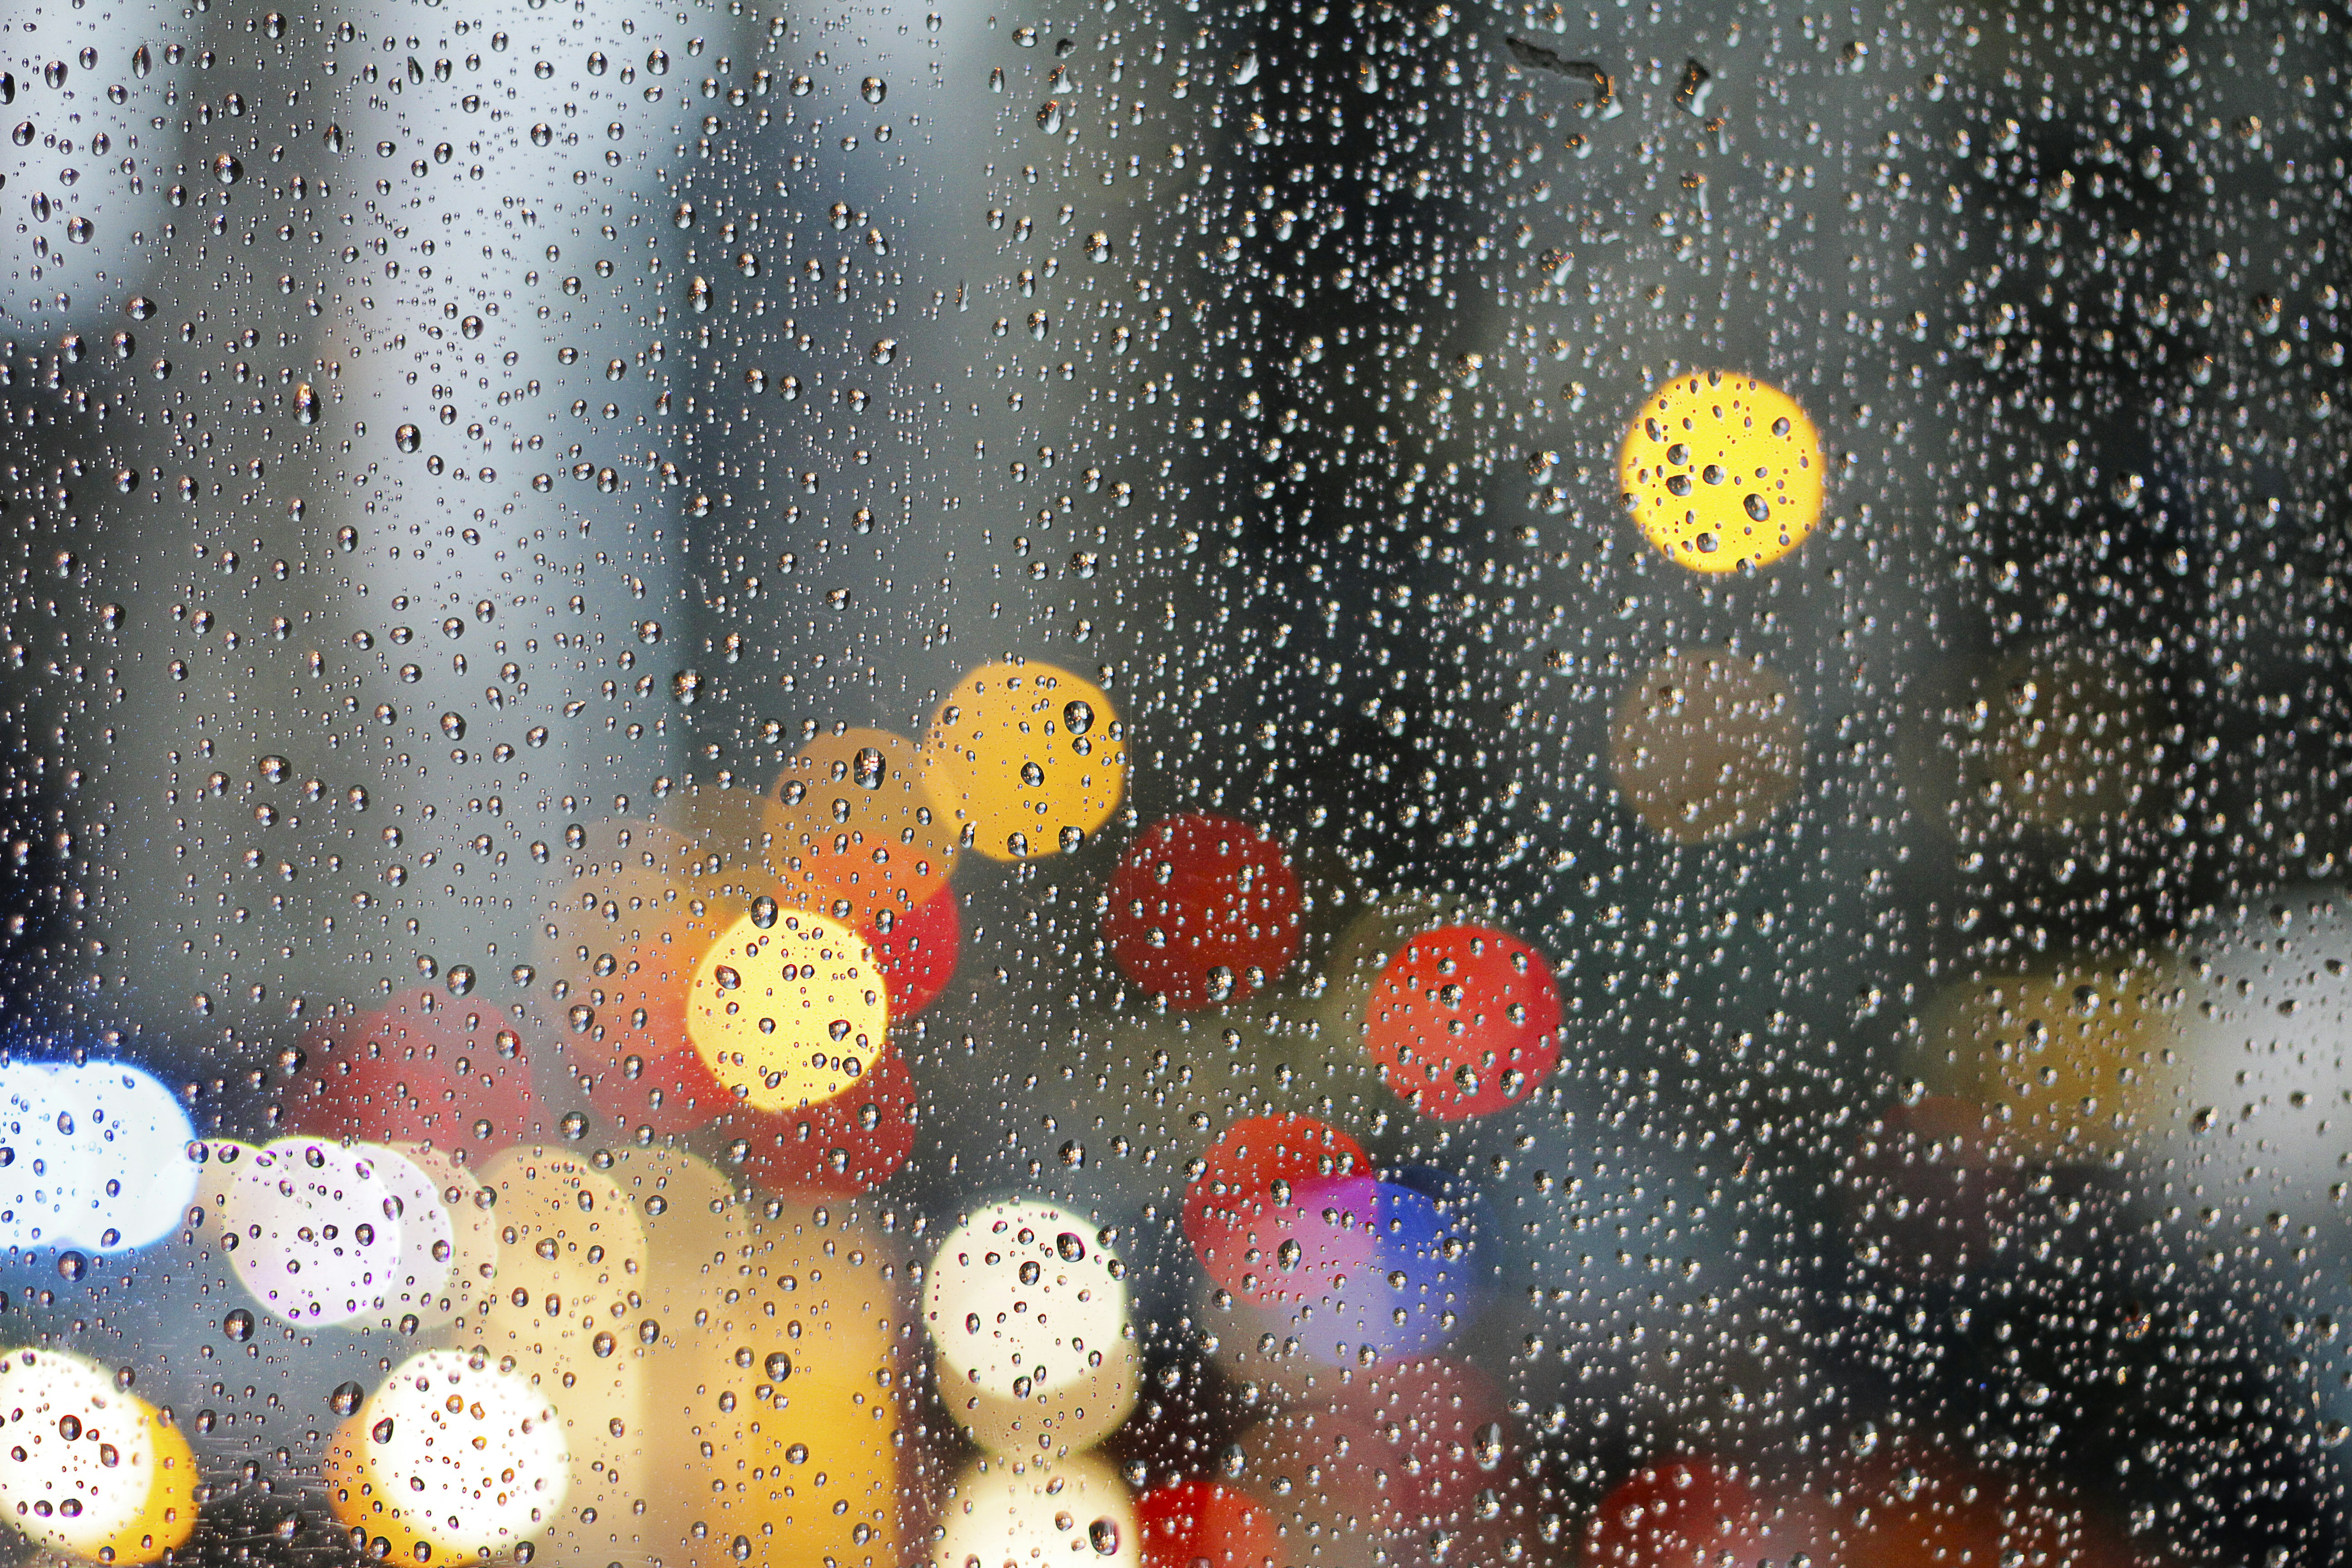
[[1722, 470], [452, 1455], [1707, 745], [2070, 1061], [566, 1315], [93, 1471], [848, 819], [788, 1015], [1025, 759], [769, 1408]]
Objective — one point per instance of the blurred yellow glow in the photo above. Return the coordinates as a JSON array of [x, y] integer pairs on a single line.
[[451, 1454], [317, 1231], [849, 819], [1722, 470], [90, 1468], [772, 1424], [2070, 1061], [2061, 739], [1029, 1513], [630, 885], [568, 1310], [791, 1014], [1026, 758], [1028, 1310], [1707, 745], [723, 841]]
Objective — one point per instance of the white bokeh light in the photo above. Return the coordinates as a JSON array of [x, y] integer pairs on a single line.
[[1013, 1513], [1028, 1310], [460, 1455], [136, 1178], [318, 1233]]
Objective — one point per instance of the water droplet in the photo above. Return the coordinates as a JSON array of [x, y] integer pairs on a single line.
[[1103, 1535], [779, 1367], [408, 437], [227, 169], [239, 1325], [345, 1399], [71, 1267], [603, 1344], [873, 89], [1486, 1445], [763, 912], [461, 979]]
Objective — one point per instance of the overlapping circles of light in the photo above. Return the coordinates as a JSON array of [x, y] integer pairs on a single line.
[[318, 1230]]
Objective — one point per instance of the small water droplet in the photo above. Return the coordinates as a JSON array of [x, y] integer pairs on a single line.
[[227, 169], [239, 1325], [345, 1399]]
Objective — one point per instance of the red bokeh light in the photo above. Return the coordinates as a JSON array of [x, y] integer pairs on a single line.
[[1196, 1523], [1671, 1513], [918, 954], [1464, 1020], [1267, 1183], [423, 1068], [1203, 909]]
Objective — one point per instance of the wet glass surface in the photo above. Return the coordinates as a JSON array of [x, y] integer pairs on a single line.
[[1282, 786]]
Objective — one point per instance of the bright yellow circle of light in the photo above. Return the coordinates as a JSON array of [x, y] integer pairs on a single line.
[[451, 1454], [1722, 471], [93, 1469], [789, 1015], [1025, 759]]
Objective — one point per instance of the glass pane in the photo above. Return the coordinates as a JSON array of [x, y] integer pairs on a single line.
[[1281, 786]]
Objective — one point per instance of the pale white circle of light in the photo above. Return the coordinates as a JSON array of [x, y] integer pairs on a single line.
[[489, 1451], [428, 1235], [1026, 1303], [46, 1159], [1003, 1512], [462, 1215], [76, 1493], [137, 1179], [318, 1237]]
